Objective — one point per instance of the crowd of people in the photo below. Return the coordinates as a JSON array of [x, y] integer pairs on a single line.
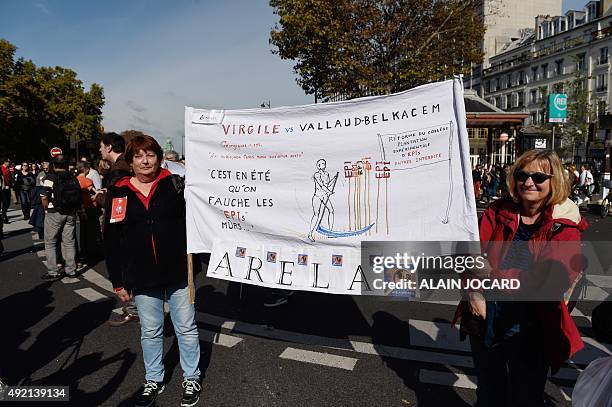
[[134, 209], [490, 182]]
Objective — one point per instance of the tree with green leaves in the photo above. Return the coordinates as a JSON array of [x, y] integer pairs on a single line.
[[354, 48], [42, 107], [580, 113]]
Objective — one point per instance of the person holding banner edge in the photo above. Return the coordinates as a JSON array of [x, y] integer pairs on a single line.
[[147, 254], [515, 343]]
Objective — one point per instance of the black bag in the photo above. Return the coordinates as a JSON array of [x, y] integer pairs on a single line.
[[66, 192], [602, 321]]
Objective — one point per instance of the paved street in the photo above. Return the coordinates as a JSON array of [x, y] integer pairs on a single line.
[[318, 350]]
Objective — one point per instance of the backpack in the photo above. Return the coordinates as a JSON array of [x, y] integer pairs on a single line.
[[179, 183], [66, 192]]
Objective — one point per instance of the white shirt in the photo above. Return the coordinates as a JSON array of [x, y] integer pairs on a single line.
[[174, 167], [94, 176]]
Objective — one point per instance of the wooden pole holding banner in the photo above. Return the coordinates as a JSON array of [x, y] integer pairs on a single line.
[[190, 278]]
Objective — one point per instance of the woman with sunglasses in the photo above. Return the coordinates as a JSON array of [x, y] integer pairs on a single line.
[[535, 230]]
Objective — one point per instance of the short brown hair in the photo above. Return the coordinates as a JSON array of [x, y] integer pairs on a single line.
[[549, 161], [144, 143]]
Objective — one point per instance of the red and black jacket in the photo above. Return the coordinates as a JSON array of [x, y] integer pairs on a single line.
[[147, 249]]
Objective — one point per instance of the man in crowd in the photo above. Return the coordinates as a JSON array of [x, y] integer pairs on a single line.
[[25, 181], [112, 148], [61, 200], [477, 179], [89, 235], [173, 164], [42, 174], [586, 181]]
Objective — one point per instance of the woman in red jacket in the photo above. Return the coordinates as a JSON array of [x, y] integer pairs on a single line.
[[533, 236]]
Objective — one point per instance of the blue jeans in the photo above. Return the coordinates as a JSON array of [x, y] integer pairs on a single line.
[[150, 305]]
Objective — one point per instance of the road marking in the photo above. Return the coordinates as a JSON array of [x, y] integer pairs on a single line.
[[70, 280], [218, 338], [436, 335], [336, 343], [318, 358], [443, 302], [600, 281], [91, 294], [432, 332], [591, 351], [447, 379], [410, 354], [577, 313], [99, 280], [595, 294]]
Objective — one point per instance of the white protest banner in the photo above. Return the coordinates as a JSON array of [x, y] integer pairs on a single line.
[[283, 197]]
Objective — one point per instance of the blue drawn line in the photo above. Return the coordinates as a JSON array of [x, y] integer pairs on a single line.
[[333, 234]]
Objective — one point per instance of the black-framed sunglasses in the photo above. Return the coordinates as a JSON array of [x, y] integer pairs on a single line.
[[537, 177]]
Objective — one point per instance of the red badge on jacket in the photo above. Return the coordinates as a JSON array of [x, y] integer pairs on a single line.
[[118, 209]]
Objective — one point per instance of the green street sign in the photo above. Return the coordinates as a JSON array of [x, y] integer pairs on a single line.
[[557, 108]]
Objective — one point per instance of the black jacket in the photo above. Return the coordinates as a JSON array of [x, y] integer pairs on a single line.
[[147, 249]]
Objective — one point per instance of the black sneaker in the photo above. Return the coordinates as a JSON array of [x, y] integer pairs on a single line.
[[150, 391], [191, 392], [52, 276]]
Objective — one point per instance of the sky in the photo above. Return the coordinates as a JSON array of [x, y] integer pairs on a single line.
[[154, 57]]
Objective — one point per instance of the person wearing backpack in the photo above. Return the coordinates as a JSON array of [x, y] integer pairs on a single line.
[[61, 200], [25, 181]]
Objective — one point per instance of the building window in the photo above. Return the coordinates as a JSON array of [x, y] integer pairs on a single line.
[[545, 72], [509, 80], [533, 117], [533, 96], [559, 67], [603, 55], [602, 107], [580, 62], [521, 77], [602, 82], [521, 99], [534, 73]]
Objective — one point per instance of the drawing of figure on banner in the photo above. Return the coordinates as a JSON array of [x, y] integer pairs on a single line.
[[321, 203]]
